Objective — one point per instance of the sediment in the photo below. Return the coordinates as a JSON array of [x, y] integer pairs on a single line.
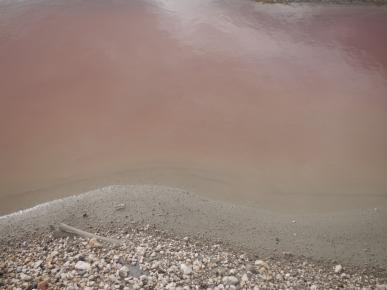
[[172, 238]]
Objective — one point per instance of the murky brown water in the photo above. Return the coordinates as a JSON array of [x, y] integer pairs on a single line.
[[279, 106]]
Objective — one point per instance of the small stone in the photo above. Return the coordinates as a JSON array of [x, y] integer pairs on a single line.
[[381, 286], [25, 277], [123, 272], [53, 253], [93, 243], [338, 269], [261, 263], [83, 266], [185, 269], [230, 280], [313, 287], [38, 263], [43, 285]]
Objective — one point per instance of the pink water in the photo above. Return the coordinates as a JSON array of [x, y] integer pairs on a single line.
[[278, 106]]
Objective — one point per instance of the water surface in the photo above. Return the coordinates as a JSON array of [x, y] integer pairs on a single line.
[[278, 106]]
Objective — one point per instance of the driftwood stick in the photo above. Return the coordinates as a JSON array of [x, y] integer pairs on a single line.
[[69, 229]]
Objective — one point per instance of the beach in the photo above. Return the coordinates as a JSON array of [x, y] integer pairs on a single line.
[[193, 145], [315, 241]]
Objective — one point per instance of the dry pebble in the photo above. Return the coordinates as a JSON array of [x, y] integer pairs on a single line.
[[154, 260]]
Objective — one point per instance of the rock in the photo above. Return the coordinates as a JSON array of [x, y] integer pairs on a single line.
[[123, 272], [38, 263], [381, 286], [93, 243], [244, 279], [197, 266], [185, 269], [230, 280], [313, 287], [263, 269], [261, 263], [83, 266], [43, 285], [53, 254], [25, 277], [338, 269]]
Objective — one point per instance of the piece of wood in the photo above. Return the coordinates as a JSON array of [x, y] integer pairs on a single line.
[[69, 229]]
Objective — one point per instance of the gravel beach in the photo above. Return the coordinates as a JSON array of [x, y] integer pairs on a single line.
[[151, 259], [173, 239]]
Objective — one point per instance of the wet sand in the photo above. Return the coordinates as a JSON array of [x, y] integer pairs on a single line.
[[282, 107], [355, 237]]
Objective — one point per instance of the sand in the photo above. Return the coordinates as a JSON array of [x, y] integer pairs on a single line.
[[355, 237]]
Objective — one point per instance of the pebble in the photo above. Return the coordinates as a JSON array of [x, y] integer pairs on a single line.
[[150, 260], [81, 265], [261, 263], [43, 285], [244, 279], [338, 269], [93, 243], [38, 263], [186, 269], [230, 280], [123, 272], [25, 277]]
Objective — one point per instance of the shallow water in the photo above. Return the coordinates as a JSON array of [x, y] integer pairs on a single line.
[[278, 106]]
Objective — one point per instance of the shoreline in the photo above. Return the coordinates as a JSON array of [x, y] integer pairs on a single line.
[[188, 242], [342, 236]]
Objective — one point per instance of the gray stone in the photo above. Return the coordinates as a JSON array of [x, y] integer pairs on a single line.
[[186, 269], [83, 266], [230, 280]]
